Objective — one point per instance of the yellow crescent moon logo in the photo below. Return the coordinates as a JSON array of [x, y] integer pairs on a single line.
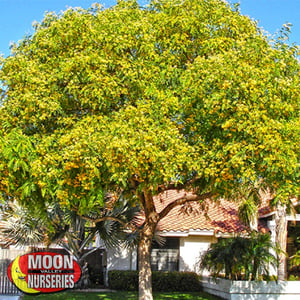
[[19, 278]]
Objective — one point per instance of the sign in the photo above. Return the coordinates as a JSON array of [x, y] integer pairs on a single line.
[[44, 272]]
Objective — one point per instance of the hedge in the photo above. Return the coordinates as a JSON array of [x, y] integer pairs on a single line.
[[161, 281], [123, 280]]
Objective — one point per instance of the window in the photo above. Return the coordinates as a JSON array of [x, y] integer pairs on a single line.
[[166, 257]]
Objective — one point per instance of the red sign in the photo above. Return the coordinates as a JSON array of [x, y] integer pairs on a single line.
[[44, 272]]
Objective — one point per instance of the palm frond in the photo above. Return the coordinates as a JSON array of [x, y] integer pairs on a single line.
[[19, 227]]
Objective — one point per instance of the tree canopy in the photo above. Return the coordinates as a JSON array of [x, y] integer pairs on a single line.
[[127, 98]]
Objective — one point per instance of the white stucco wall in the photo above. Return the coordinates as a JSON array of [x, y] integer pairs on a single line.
[[190, 251], [251, 290], [121, 259]]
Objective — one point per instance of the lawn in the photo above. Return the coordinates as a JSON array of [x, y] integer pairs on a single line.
[[119, 296]]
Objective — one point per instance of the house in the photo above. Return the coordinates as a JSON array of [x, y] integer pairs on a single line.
[[189, 231]]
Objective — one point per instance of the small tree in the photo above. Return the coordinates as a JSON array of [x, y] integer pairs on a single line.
[[263, 253], [66, 228], [239, 257], [250, 199]]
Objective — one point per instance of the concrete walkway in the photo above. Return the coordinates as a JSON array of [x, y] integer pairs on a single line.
[[9, 297]]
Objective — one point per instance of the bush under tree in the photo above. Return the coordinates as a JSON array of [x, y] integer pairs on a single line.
[[247, 258]]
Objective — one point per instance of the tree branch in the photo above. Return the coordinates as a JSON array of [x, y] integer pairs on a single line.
[[182, 200]]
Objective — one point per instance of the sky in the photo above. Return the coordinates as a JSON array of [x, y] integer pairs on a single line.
[[17, 16]]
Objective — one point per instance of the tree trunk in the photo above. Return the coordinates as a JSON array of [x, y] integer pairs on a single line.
[[254, 223], [281, 238], [145, 275], [146, 236], [84, 280]]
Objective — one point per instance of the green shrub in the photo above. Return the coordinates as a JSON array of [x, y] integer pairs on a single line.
[[175, 282], [293, 278], [96, 277], [161, 281], [123, 280], [241, 257]]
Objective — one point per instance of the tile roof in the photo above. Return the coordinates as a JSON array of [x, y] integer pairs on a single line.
[[220, 217], [265, 207]]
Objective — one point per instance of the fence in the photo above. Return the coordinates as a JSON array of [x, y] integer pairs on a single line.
[[6, 257]]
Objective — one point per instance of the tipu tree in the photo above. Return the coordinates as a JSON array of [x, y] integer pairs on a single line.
[[179, 95]]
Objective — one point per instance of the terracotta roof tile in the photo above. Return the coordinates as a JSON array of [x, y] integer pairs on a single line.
[[265, 204], [219, 217], [266, 208]]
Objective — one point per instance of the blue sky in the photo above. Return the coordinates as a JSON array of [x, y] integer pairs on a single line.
[[16, 16]]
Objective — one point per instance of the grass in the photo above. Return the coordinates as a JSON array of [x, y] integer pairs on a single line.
[[71, 295]]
